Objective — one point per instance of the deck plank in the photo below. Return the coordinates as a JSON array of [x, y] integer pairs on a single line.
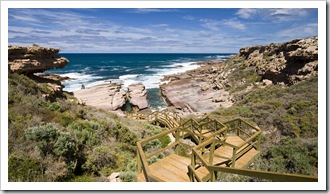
[[166, 173], [173, 168]]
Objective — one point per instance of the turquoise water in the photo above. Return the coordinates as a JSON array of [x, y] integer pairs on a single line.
[[98, 68]]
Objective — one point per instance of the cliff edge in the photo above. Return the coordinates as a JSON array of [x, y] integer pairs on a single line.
[[34, 59]]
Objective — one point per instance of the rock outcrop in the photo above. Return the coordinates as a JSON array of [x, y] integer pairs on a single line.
[[215, 83], [288, 62], [193, 91], [112, 97], [137, 96], [106, 96], [33, 59]]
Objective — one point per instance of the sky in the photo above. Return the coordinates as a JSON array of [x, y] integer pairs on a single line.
[[158, 30]]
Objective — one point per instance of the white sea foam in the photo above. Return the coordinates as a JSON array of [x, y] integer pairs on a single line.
[[150, 81], [153, 80], [78, 79]]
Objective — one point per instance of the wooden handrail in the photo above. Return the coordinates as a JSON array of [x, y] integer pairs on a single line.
[[275, 176], [144, 162], [161, 150], [249, 139], [157, 136]]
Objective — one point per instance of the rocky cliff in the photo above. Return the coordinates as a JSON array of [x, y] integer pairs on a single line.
[[33, 59], [215, 83], [286, 63]]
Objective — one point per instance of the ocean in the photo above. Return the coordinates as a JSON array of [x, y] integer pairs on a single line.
[[98, 68]]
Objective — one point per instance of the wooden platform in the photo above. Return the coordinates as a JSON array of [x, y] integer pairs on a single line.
[[222, 154], [173, 168]]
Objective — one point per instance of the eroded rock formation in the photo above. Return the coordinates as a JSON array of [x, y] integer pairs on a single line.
[[288, 62], [137, 96], [34, 59]]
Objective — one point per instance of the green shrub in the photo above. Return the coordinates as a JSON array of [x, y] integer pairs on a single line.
[[23, 168], [66, 147], [291, 155], [45, 136], [82, 178], [128, 176], [66, 119], [165, 140], [54, 106], [101, 156]]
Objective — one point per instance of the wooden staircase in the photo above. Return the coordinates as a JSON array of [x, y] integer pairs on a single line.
[[221, 147]]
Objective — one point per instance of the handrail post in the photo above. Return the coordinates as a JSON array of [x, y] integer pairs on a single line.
[[233, 158], [138, 162], [211, 153], [212, 176], [259, 140], [193, 165]]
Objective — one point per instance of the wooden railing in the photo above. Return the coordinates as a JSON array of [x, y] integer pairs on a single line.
[[212, 128], [168, 118], [198, 160], [143, 165], [202, 156]]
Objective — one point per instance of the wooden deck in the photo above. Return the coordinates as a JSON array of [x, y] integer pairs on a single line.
[[174, 168], [222, 154], [229, 147]]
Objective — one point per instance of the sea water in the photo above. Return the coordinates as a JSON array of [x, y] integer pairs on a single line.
[[99, 68]]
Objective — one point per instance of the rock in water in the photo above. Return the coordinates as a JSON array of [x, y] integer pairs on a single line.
[[137, 96], [33, 59]]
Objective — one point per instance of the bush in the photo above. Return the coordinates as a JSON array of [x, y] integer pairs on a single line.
[[23, 168], [45, 136], [128, 176], [54, 106], [291, 155], [101, 156]]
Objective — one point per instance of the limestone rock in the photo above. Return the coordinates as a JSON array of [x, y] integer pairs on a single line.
[[114, 177], [33, 59], [267, 82], [288, 62], [137, 96], [205, 87], [106, 96], [118, 100]]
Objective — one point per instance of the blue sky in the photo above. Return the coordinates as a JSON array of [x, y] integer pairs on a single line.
[[216, 30]]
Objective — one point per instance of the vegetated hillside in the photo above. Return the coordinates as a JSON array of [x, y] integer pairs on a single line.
[[55, 139], [276, 87]]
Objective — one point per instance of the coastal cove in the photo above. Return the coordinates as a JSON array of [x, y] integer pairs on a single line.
[[91, 69], [95, 138]]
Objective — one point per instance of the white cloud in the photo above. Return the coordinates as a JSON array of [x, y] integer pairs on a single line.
[[246, 13], [210, 24], [233, 23], [307, 30], [273, 14], [189, 17]]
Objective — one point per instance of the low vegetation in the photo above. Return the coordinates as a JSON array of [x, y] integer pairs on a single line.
[[52, 138]]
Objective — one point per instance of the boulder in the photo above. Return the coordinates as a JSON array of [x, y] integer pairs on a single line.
[[267, 82], [118, 100], [137, 96]]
